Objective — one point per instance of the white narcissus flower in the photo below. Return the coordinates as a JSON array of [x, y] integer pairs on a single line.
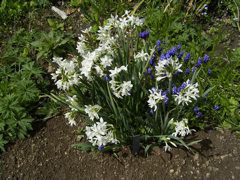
[[87, 64], [116, 71], [73, 104], [161, 71], [71, 118], [120, 90], [175, 65], [167, 67], [92, 111], [142, 56], [125, 88], [99, 71], [181, 128], [106, 61], [128, 20], [81, 46], [66, 75], [87, 30], [154, 98], [187, 94], [100, 134], [107, 40]]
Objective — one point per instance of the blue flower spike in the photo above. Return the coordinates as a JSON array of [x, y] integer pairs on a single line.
[[216, 107], [209, 71], [206, 58], [187, 58], [100, 148], [199, 114], [144, 35], [196, 109]]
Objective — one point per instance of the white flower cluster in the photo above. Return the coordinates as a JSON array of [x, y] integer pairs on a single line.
[[91, 58], [106, 61], [167, 67], [73, 104], [70, 116], [126, 21], [181, 128], [66, 75], [186, 95], [120, 89], [141, 56], [92, 111], [116, 71], [100, 134], [154, 98], [101, 57], [161, 71]]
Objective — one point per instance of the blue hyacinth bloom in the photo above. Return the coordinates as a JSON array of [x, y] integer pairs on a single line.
[[183, 86], [175, 90], [144, 35], [149, 70], [209, 71], [158, 43], [159, 50], [216, 107], [199, 114], [187, 58], [152, 76], [177, 73], [106, 78], [199, 62], [180, 55], [194, 69], [162, 57], [187, 71], [100, 148], [206, 58], [151, 111], [179, 46], [172, 51], [164, 93], [205, 6], [165, 99], [152, 61], [196, 109], [167, 55]]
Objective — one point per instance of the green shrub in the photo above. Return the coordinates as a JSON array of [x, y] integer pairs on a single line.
[[21, 84]]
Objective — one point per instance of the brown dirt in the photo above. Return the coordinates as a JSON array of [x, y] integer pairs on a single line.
[[48, 154]]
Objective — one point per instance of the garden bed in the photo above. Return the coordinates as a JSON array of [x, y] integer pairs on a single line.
[[135, 87], [48, 154]]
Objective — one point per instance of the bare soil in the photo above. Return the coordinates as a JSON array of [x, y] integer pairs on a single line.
[[48, 154]]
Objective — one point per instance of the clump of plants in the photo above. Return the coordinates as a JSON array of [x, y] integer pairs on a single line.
[[22, 82], [129, 88]]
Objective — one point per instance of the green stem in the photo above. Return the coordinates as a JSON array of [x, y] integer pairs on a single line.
[[238, 15], [179, 112]]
